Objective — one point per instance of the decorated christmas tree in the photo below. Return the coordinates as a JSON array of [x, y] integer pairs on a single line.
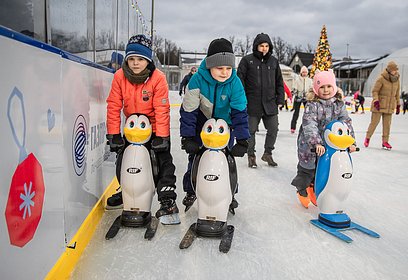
[[322, 58]]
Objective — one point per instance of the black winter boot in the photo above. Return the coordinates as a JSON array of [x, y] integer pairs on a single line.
[[189, 200], [168, 212], [115, 201], [168, 207]]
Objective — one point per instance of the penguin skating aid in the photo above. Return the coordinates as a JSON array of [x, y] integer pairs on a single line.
[[214, 179], [333, 183], [137, 179]]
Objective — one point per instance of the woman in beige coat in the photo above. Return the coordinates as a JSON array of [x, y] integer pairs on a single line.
[[386, 98]]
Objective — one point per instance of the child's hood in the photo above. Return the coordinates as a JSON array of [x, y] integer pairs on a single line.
[[311, 96]]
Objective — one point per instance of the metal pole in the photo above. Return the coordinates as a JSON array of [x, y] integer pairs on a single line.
[[47, 23], [128, 21], [151, 22], [117, 26], [348, 70], [164, 54], [94, 30]]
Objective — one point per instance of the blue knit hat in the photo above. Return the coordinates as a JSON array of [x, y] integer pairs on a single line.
[[139, 45], [116, 58]]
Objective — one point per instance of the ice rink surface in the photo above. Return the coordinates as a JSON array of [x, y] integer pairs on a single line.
[[273, 236]]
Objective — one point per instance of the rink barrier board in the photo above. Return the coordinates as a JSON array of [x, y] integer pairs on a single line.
[[66, 263], [65, 101]]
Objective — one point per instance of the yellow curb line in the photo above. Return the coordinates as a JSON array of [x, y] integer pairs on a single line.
[[67, 261]]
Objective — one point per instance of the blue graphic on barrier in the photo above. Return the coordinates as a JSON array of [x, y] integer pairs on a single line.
[[21, 146], [79, 143], [51, 119]]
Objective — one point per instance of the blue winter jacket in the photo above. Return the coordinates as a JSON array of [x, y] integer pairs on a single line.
[[207, 98]]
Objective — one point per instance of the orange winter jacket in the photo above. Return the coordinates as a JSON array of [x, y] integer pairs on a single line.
[[150, 98]]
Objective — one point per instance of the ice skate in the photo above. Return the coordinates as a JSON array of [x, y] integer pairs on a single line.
[[189, 200], [168, 212], [386, 146], [366, 142], [233, 205], [114, 202], [311, 194], [303, 198]]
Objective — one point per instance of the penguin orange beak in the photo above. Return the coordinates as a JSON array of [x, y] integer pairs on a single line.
[[214, 140], [137, 135], [341, 141]]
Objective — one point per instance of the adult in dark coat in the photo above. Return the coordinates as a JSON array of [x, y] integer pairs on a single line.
[[185, 80], [262, 79]]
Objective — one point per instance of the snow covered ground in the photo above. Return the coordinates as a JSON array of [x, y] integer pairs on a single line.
[[274, 238]]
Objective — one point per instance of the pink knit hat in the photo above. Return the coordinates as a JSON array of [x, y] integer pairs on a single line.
[[324, 78]]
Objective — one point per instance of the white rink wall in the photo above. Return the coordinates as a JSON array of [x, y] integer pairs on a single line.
[[53, 114]]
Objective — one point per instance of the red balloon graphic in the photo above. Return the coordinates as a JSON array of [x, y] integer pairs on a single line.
[[25, 201]]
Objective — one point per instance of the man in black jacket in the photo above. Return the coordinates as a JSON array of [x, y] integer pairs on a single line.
[[262, 79], [185, 80]]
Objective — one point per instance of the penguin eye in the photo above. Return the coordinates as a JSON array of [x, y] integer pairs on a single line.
[[142, 125], [221, 129], [131, 124], [209, 129], [340, 131]]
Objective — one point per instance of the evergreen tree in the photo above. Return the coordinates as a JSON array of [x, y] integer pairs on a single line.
[[322, 58]]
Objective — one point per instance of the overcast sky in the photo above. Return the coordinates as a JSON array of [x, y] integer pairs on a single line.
[[370, 27]]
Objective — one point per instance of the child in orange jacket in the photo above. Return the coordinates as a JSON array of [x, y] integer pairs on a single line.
[[139, 88]]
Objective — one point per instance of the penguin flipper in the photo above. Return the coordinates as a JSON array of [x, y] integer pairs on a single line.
[[322, 173]]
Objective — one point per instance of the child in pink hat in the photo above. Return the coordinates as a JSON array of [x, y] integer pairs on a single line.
[[324, 104]]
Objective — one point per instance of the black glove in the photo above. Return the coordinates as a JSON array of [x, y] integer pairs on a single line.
[[115, 142], [189, 145], [161, 144], [240, 148]]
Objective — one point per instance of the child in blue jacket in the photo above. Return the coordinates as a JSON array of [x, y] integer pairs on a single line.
[[215, 91]]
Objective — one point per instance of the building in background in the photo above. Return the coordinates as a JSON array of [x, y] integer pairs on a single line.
[[352, 74], [90, 29], [300, 59], [400, 57]]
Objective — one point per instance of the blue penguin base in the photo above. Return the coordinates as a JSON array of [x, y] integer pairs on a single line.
[[336, 231], [341, 220]]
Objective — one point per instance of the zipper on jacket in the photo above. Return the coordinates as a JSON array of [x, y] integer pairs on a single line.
[[215, 100]]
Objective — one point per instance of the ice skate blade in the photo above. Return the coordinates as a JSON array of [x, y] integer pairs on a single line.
[[226, 240], [151, 228], [172, 219], [114, 229], [189, 237], [187, 208]]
